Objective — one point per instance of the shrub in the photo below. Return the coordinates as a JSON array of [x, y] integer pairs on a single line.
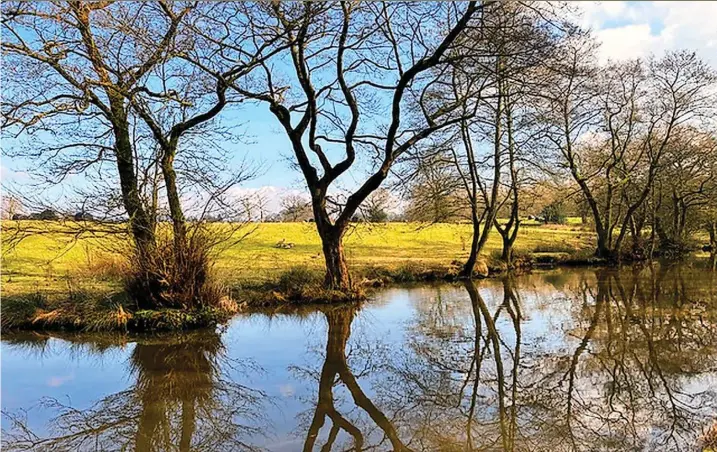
[[171, 276], [18, 311], [297, 279], [554, 213], [676, 249], [709, 439]]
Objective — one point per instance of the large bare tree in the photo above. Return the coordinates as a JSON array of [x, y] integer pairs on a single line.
[[349, 92]]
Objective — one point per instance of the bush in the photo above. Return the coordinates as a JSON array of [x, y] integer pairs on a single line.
[[297, 279], [676, 249], [554, 213], [18, 311], [81, 310], [170, 276]]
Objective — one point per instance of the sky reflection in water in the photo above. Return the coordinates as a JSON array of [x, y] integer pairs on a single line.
[[583, 359]]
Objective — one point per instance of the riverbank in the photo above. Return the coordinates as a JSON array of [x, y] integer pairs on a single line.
[[49, 282]]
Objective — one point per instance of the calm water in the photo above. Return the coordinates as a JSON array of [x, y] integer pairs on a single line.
[[561, 360]]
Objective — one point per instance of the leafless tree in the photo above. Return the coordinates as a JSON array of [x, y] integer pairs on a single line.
[[685, 187], [349, 76], [117, 89], [611, 127], [433, 191], [376, 207], [503, 64], [83, 70], [295, 208]]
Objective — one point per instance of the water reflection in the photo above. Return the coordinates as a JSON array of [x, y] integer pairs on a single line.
[[336, 371], [635, 372], [579, 360], [180, 400]]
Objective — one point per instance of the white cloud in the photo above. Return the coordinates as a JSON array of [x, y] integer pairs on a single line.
[[633, 29], [631, 41]]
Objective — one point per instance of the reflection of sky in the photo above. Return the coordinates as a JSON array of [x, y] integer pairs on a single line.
[[284, 353], [75, 376]]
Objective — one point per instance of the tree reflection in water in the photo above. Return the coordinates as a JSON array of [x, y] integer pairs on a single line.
[[632, 373], [180, 400], [579, 360], [334, 371]]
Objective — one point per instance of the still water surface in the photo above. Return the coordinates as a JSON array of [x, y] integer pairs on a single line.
[[583, 359]]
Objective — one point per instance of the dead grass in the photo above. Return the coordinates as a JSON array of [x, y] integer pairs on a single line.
[[708, 442], [173, 276], [82, 310]]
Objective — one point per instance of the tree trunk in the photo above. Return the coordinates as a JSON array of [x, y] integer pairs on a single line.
[[713, 244], [140, 222], [603, 248], [507, 254], [337, 272], [175, 205], [188, 424], [510, 231], [473, 255], [713, 240]]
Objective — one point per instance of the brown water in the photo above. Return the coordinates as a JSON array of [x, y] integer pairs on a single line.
[[585, 359]]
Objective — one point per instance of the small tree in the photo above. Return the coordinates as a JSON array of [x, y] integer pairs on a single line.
[[375, 208], [295, 208], [554, 213]]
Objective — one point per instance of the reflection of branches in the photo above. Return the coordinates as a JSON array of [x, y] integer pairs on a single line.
[[623, 374], [479, 305], [181, 399], [634, 372], [336, 366]]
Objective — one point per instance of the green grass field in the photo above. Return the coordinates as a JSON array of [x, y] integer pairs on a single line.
[[53, 263]]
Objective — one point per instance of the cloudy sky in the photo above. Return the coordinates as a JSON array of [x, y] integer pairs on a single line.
[[626, 30], [634, 29]]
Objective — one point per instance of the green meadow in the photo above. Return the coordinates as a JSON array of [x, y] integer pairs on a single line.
[[53, 263]]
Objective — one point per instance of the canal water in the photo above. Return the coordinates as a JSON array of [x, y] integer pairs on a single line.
[[562, 360]]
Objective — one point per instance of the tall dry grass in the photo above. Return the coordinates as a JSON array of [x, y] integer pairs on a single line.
[[175, 276]]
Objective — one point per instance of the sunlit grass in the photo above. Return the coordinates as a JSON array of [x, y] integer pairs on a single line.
[[49, 263]]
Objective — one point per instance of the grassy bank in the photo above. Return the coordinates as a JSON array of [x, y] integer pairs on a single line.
[[74, 282]]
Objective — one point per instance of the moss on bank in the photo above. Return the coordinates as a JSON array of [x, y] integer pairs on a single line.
[[85, 311]]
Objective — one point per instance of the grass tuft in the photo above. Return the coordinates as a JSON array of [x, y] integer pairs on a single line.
[[81, 311]]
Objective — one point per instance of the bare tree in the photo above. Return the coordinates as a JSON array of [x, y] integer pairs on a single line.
[[84, 71], [433, 191], [11, 207], [685, 187], [117, 88], [376, 207], [513, 42], [354, 71], [295, 208], [611, 127]]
